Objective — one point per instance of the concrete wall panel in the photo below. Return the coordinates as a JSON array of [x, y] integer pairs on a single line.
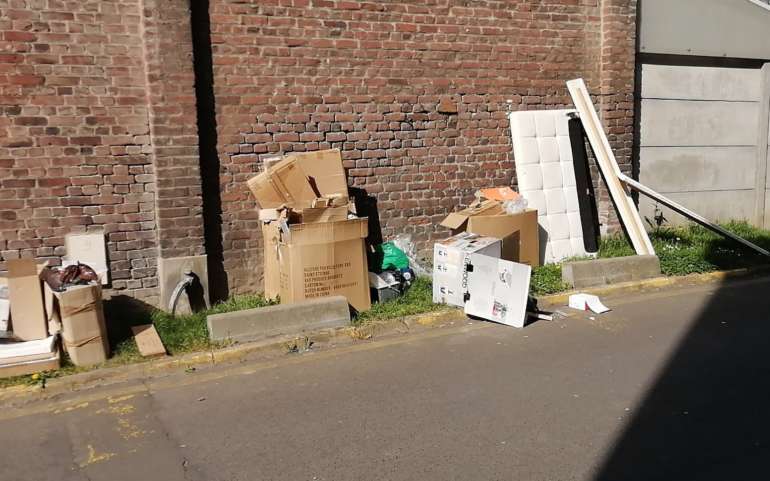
[[700, 83], [716, 28], [687, 123], [683, 169], [716, 206]]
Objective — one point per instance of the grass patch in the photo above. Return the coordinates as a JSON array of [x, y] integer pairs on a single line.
[[695, 249], [546, 280], [682, 250], [418, 299]]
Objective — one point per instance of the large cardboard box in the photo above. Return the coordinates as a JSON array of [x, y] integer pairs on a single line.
[[84, 333], [450, 262], [519, 232], [25, 293], [498, 290], [319, 260]]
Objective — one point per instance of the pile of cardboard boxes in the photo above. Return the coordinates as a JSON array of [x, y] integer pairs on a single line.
[[313, 240], [34, 316], [485, 266]]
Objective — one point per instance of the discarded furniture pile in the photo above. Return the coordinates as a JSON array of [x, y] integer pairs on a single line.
[[46, 310], [41, 305], [481, 271]]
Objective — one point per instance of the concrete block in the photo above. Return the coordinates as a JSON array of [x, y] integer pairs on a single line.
[[171, 271], [599, 272], [253, 324]]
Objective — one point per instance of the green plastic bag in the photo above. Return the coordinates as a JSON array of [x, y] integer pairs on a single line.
[[392, 257]]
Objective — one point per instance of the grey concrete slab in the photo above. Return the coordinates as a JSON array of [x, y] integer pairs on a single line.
[[599, 272], [170, 272], [252, 324], [673, 123], [678, 169], [714, 205], [714, 28], [684, 82]]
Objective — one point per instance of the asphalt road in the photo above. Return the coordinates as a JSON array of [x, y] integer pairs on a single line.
[[671, 385]]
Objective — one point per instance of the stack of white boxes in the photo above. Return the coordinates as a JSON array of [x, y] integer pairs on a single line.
[[468, 273]]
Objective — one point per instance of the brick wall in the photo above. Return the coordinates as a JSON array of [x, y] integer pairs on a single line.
[[99, 123], [98, 133], [416, 94]]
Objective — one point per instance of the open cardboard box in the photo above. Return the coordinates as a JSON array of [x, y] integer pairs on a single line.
[[299, 179], [519, 232], [304, 261]]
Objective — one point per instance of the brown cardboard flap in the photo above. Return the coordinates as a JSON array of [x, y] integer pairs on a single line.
[[21, 268], [456, 220], [324, 169], [328, 232], [25, 292], [285, 183], [270, 236], [519, 233], [324, 214]]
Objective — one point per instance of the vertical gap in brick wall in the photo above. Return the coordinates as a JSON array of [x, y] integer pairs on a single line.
[[207, 140], [635, 141]]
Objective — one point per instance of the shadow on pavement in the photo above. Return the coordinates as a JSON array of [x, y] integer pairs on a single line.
[[706, 416]]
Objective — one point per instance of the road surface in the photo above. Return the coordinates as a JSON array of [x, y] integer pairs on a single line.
[[671, 385]]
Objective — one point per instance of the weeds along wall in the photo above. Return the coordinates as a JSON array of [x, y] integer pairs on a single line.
[[99, 128]]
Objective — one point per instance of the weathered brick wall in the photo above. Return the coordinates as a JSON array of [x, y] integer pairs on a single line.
[[99, 124], [368, 78], [98, 132]]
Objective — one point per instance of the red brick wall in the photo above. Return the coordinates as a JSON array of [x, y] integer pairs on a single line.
[[97, 101], [367, 77]]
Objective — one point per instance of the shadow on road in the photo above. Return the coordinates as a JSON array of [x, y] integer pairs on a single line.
[[706, 416]]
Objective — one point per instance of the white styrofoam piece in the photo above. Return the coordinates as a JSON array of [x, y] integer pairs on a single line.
[[27, 348], [584, 302], [546, 177], [498, 290], [450, 262]]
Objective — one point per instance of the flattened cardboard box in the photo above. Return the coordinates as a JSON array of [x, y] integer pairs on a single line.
[[320, 260], [84, 333], [519, 232], [270, 237], [25, 292]]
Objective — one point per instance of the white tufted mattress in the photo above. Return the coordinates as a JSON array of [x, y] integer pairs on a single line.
[[546, 177]]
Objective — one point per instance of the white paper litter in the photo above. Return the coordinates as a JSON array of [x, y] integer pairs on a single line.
[[584, 302]]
